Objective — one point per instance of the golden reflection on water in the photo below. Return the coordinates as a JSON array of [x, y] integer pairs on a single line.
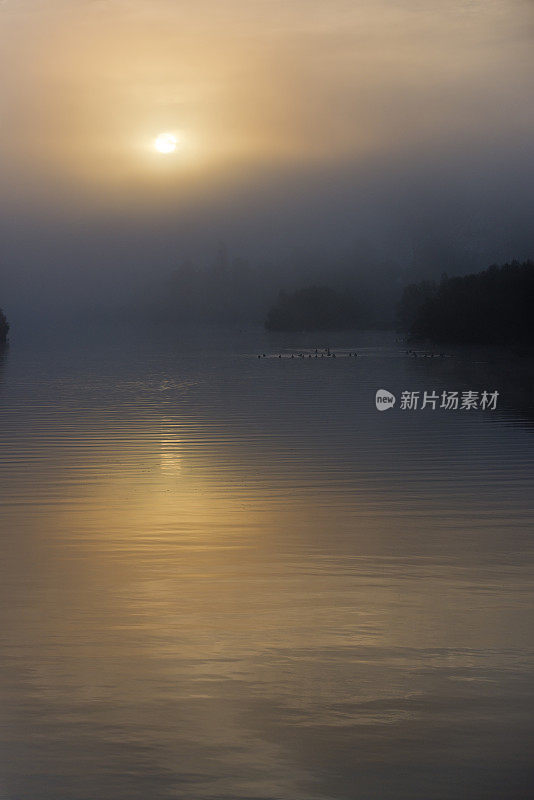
[[171, 459], [193, 608]]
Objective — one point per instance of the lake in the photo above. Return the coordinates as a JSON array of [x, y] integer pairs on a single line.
[[227, 577]]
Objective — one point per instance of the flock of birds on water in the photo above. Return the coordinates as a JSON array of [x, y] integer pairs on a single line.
[[323, 353], [327, 353], [413, 354]]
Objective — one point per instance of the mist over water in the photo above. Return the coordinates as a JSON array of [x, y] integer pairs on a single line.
[[226, 575], [231, 577]]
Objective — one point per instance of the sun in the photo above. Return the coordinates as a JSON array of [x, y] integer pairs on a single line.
[[166, 143]]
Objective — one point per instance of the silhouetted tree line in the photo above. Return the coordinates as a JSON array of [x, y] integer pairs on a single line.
[[491, 307], [4, 327], [313, 308], [230, 289]]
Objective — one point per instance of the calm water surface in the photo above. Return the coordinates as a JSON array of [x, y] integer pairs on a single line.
[[230, 578]]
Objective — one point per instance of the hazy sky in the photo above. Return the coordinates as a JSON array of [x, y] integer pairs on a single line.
[[392, 123]]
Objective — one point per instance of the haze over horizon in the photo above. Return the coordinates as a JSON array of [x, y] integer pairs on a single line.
[[267, 458], [391, 137]]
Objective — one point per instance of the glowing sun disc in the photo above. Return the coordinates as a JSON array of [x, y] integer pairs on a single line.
[[166, 143]]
